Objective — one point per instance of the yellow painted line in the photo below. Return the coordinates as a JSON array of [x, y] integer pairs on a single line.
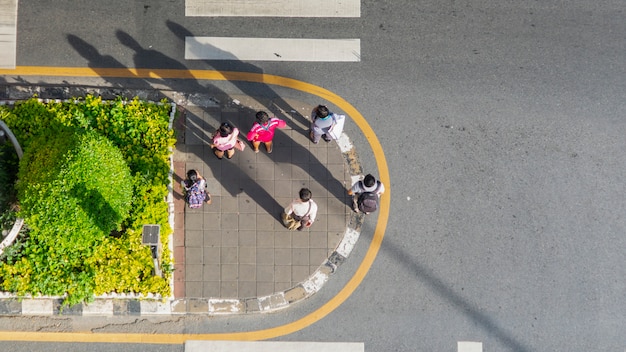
[[324, 310]]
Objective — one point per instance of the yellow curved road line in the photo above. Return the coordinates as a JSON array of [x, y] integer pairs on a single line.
[[264, 334]]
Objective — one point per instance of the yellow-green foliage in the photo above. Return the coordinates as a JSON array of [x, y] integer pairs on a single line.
[[74, 252]]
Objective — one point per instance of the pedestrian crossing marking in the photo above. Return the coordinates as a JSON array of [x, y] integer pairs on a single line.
[[8, 33], [272, 346], [272, 49], [469, 346], [274, 8]]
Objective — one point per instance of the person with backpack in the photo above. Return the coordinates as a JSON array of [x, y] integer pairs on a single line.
[[301, 212], [195, 190], [366, 194], [263, 131]]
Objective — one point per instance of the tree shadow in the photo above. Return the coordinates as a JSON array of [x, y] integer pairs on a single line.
[[96, 207]]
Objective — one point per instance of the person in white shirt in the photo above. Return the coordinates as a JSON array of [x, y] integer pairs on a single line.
[[303, 209]]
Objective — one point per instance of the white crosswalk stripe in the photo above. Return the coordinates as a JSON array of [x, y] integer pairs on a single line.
[[272, 49], [274, 8], [272, 346], [8, 33], [469, 346]]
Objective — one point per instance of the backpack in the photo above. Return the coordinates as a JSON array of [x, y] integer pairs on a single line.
[[368, 201], [195, 196]]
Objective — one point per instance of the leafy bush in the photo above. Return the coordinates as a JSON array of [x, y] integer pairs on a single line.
[[70, 174], [71, 200]]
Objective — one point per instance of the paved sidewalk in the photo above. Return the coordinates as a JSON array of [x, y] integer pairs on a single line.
[[237, 247]]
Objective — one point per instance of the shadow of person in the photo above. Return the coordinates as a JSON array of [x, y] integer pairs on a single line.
[[231, 63], [101, 63], [153, 59]]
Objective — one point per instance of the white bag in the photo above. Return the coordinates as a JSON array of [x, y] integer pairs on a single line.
[[336, 129]]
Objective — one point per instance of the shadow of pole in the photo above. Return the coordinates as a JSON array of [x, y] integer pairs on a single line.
[[424, 274]]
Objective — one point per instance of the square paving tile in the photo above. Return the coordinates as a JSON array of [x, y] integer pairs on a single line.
[[265, 256], [318, 239], [247, 255], [264, 288], [265, 273], [211, 255], [317, 256], [212, 238], [230, 204], [230, 238], [230, 272], [211, 272], [247, 238], [193, 272], [265, 221], [228, 289], [211, 220], [194, 289], [300, 239], [194, 238], [193, 220], [282, 273], [282, 239], [300, 256], [265, 240], [193, 255], [265, 172], [282, 256], [248, 221], [247, 204], [229, 255], [247, 272], [299, 273], [211, 289], [281, 191], [247, 289], [229, 221]]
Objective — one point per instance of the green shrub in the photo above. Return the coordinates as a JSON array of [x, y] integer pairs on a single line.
[[71, 200]]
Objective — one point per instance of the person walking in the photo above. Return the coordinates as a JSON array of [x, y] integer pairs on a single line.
[[301, 212], [322, 120], [263, 131], [366, 194], [224, 140]]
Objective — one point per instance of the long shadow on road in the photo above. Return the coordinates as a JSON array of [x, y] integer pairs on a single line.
[[424, 274]]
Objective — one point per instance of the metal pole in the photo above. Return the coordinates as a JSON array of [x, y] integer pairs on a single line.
[[16, 145]]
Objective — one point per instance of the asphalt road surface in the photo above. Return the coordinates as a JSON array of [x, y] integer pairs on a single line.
[[503, 126]]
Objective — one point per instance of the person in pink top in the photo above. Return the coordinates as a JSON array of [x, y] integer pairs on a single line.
[[263, 131], [224, 140]]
